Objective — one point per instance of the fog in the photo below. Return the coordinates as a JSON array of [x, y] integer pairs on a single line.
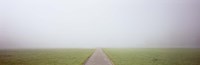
[[99, 23]]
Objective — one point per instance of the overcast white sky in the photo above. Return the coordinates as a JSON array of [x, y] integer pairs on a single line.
[[99, 23]]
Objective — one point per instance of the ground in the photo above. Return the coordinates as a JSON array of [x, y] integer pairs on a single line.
[[155, 56], [44, 56], [107, 56]]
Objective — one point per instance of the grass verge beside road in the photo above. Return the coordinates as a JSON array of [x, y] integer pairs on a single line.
[[153, 56], [44, 56]]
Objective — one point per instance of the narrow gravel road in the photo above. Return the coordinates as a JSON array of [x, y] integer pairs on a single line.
[[98, 58]]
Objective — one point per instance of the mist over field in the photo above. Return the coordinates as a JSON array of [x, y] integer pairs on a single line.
[[99, 23]]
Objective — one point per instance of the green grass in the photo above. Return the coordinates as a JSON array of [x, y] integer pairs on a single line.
[[44, 56], [150, 56]]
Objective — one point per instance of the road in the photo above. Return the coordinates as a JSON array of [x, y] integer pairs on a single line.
[[98, 58]]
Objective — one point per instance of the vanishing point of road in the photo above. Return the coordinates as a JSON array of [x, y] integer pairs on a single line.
[[98, 58]]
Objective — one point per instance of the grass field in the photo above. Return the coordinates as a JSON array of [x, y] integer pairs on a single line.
[[154, 56], [44, 56]]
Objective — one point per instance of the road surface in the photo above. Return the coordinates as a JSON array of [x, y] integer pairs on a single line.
[[98, 58]]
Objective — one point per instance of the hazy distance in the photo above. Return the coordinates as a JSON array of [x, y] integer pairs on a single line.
[[99, 23]]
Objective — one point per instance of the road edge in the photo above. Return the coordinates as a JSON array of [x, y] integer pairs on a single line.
[[86, 60], [108, 56]]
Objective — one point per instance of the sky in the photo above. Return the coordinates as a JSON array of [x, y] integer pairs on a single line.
[[99, 23]]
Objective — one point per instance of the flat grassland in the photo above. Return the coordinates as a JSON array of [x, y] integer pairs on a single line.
[[154, 56], [44, 56]]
